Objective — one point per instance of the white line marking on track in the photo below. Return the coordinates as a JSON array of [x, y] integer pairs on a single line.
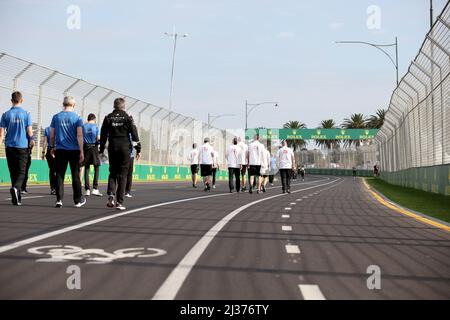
[[50, 234], [311, 292], [287, 208], [285, 216], [299, 200], [286, 228], [293, 203], [290, 248], [33, 197], [170, 287]]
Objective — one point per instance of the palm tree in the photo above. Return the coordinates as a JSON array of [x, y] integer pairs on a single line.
[[376, 120], [329, 144], [356, 121], [295, 143]]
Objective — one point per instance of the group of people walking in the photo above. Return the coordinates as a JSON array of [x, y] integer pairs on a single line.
[[253, 160], [70, 142]]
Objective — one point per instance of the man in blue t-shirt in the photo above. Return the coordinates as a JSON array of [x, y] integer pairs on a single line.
[[91, 137], [66, 135], [17, 124], [46, 154]]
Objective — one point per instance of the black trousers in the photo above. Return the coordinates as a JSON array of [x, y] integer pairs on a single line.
[[17, 165], [236, 172], [285, 178], [51, 170], [62, 159], [271, 177], [129, 176], [119, 163], [87, 168], [27, 170], [214, 171]]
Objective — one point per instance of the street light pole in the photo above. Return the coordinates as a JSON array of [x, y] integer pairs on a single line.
[[212, 118], [380, 47], [253, 106]]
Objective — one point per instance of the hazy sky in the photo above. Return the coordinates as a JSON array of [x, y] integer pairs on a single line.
[[261, 50]]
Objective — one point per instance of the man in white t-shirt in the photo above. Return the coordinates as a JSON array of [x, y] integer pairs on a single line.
[[286, 163], [193, 161], [243, 162], [206, 160], [215, 167], [255, 158], [234, 156]]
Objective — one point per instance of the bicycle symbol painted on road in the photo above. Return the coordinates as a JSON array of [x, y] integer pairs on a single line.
[[60, 253]]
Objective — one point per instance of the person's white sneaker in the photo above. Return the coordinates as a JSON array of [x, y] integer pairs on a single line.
[[81, 203], [119, 206], [97, 193], [14, 196], [110, 203], [128, 195], [214, 186], [87, 193], [58, 204]]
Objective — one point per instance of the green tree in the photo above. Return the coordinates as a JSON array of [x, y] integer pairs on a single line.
[[329, 144], [376, 120], [295, 144], [356, 121]]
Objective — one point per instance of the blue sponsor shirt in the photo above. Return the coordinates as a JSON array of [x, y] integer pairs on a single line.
[[15, 121], [65, 124], [90, 133], [47, 135]]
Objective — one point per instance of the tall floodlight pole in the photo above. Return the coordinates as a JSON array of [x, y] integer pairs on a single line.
[[174, 37], [380, 47], [431, 14]]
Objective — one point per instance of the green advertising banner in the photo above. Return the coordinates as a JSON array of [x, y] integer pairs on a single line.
[[142, 173], [312, 134]]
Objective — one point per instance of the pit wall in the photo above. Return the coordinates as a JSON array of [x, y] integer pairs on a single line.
[[38, 173]]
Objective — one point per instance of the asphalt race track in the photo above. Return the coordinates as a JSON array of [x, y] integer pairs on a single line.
[[176, 242]]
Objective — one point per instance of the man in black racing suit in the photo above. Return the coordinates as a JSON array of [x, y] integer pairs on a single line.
[[117, 128]]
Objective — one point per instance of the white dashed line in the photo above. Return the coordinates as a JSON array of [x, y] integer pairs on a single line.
[[311, 292], [293, 203], [286, 228], [287, 208], [290, 248], [170, 287], [285, 216]]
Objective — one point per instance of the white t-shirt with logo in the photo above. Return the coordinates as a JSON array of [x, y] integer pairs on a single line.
[[206, 154], [193, 157], [255, 153], [244, 150], [285, 156], [234, 156]]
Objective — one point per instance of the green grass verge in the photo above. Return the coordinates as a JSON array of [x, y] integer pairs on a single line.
[[432, 204]]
